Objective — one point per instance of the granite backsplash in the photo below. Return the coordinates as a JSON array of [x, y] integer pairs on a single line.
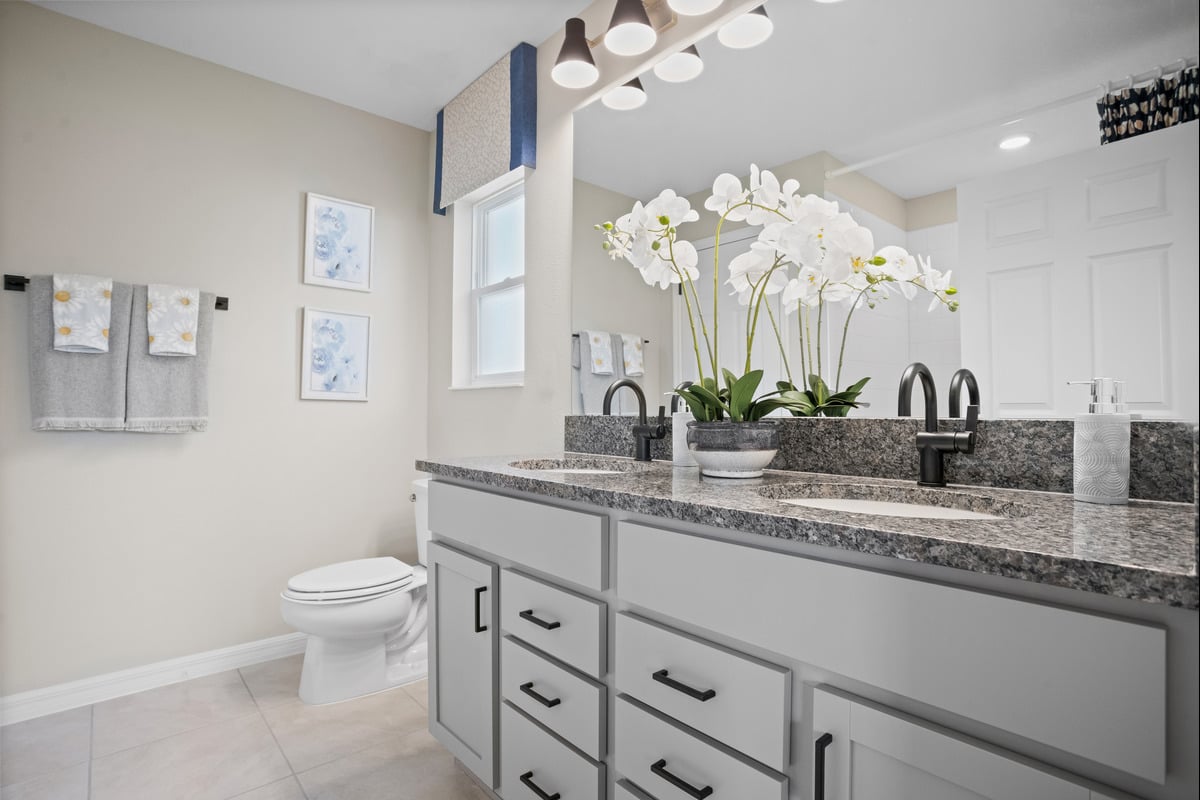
[[1034, 454]]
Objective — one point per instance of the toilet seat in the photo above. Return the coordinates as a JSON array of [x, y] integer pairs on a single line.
[[350, 581]]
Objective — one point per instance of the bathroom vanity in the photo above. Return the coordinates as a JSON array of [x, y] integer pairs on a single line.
[[602, 628]]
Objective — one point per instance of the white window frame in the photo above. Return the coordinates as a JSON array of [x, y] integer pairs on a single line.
[[469, 250], [478, 293]]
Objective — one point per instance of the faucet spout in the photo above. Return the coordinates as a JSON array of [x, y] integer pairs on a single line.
[[637, 390], [928, 388], [963, 377]]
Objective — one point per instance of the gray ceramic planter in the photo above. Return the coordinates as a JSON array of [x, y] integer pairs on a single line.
[[733, 449]]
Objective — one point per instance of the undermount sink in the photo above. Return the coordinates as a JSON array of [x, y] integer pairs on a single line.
[[581, 465], [895, 501]]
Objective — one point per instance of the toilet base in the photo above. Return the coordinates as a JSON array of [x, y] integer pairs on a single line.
[[343, 669]]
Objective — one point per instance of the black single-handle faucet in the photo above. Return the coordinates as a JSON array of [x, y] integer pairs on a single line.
[[643, 432], [932, 444]]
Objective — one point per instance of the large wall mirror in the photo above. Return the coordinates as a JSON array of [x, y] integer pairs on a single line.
[[1072, 259]]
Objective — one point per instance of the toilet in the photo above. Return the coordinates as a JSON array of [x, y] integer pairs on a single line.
[[365, 619]]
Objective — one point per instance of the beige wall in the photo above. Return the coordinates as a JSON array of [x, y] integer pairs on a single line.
[[121, 158], [610, 295], [927, 211]]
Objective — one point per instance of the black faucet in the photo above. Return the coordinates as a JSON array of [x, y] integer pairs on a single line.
[[932, 444], [643, 432]]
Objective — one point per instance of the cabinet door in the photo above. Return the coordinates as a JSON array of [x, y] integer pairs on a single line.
[[866, 753], [462, 658]]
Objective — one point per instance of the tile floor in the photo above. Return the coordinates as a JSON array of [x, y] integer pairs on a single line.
[[241, 734]]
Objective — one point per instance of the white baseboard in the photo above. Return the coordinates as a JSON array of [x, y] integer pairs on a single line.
[[40, 702]]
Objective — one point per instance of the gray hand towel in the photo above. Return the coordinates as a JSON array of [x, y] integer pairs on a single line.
[[168, 395], [77, 391], [592, 387]]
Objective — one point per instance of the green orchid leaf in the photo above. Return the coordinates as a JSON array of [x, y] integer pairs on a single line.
[[741, 395], [819, 390], [730, 378], [858, 387]]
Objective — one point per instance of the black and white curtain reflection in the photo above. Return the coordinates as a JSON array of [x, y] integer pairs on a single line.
[[1139, 109]]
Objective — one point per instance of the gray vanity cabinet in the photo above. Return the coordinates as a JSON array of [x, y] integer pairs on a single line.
[[862, 751], [463, 639]]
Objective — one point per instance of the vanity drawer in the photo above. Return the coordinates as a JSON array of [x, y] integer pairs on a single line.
[[572, 545], [570, 705], [1089, 685], [740, 701], [566, 625], [663, 759], [624, 790], [530, 757]]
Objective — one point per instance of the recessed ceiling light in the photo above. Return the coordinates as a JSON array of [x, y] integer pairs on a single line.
[[749, 30], [681, 66], [692, 8], [626, 97], [1015, 142]]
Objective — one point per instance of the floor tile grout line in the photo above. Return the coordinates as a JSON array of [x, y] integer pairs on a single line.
[[271, 731], [225, 721]]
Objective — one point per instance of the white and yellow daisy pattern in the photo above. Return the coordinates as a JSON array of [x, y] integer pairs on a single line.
[[172, 317], [82, 306]]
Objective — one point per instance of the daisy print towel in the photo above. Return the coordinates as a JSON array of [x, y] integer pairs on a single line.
[[172, 315], [82, 309]]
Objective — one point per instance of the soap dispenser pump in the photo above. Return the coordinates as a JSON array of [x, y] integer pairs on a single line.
[[1102, 445]]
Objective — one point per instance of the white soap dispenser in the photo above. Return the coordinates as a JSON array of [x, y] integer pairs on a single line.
[[681, 454], [1102, 445]]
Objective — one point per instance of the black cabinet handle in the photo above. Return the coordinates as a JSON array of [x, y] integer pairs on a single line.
[[527, 779], [659, 768], [527, 614], [823, 741], [703, 695], [479, 626], [527, 688]]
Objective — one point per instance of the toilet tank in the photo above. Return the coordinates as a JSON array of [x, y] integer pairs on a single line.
[[420, 498]]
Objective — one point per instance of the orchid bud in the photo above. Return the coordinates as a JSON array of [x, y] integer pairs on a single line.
[[608, 226], [664, 220], [951, 290], [606, 246], [953, 305], [655, 245]]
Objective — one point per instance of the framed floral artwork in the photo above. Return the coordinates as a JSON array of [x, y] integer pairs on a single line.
[[339, 240], [336, 355]]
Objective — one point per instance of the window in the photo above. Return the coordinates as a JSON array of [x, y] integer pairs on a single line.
[[494, 306]]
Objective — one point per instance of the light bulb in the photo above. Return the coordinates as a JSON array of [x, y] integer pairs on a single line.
[[692, 8], [629, 32], [574, 68], [681, 66], [749, 30], [626, 97]]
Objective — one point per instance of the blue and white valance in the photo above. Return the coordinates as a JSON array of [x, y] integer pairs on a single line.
[[489, 129]]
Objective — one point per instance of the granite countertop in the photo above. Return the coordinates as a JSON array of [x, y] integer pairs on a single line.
[[1143, 551]]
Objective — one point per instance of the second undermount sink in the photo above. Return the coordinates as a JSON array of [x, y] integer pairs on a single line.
[[895, 501], [580, 465]]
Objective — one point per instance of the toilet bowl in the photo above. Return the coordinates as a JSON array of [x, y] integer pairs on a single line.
[[365, 619]]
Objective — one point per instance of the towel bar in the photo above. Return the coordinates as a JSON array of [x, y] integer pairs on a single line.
[[573, 335], [17, 283]]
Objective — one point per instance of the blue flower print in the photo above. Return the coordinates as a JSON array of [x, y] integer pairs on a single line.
[[329, 333], [331, 221], [322, 360], [324, 247]]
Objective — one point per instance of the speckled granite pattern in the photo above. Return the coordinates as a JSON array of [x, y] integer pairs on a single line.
[[1011, 453], [1143, 551]]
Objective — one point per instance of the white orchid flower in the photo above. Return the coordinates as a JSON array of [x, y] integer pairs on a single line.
[[766, 192], [804, 289], [747, 271], [727, 192], [901, 267], [676, 209], [936, 282]]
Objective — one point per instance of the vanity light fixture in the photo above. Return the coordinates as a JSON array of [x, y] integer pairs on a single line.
[[693, 8], [1015, 142], [630, 32], [828, 2], [749, 30], [626, 97], [575, 67], [681, 66]]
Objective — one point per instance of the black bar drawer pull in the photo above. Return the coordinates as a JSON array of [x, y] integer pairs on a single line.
[[479, 626], [823, 741], [659, 768], [528, 689], [527, 614], [703, 695], [527, 779]]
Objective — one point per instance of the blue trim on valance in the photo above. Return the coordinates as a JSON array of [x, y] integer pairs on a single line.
[[523, 107], [437, 166]]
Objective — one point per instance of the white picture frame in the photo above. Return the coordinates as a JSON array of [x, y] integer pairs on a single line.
[[335, 362], [339, 243]]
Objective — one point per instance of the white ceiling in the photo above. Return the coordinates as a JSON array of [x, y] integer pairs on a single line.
[[866, 77], [400, 59]]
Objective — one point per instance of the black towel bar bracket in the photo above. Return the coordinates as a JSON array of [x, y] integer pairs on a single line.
[[17, 283], [576, 335]]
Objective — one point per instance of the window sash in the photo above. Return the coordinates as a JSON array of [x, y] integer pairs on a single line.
[[480, 229], [480, 289]]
